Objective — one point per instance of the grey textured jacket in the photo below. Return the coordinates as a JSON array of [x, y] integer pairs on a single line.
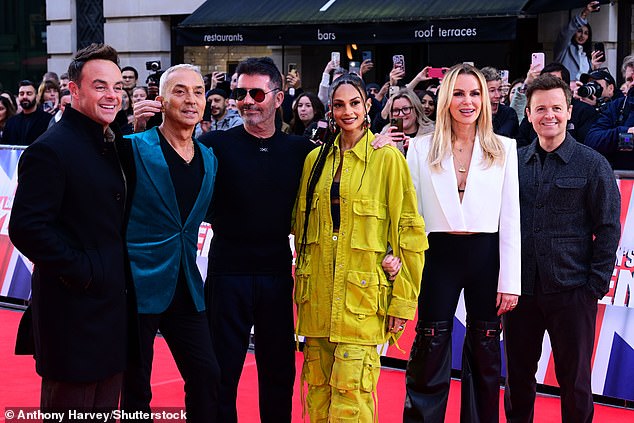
[[570, 219]]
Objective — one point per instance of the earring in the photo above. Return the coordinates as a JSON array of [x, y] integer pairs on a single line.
[[367, 120]]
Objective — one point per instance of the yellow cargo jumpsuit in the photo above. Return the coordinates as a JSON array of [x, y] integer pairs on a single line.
[[343, 296]]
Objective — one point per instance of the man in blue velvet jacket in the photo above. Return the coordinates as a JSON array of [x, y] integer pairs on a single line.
[[174, 181]]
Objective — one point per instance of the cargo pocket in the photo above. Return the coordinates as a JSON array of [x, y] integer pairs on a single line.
[[312, 236], [412, 235], [348, 367], [368, 226], [302, 281], [312, 371], [362, 292], [371, 371]]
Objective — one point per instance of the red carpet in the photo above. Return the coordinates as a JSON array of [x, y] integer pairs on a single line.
[[19, 386]]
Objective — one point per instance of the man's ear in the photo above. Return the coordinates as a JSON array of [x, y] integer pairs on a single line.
[[74, 89], [528, 114]]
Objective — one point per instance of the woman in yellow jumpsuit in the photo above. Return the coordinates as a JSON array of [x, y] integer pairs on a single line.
[[354, 204]]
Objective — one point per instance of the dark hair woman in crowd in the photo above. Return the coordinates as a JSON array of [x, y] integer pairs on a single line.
[[428, 100], [355, 202], [468, 193], [306, 110], [6, 111], [573, 47]]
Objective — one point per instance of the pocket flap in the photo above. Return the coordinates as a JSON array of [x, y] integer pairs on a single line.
[[362, 279], [570, 182], [370, 208]]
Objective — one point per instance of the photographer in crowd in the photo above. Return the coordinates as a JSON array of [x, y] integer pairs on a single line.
[[613, 132], [598, 88]]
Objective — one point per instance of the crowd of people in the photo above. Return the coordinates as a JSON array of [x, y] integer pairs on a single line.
[[383, 186]]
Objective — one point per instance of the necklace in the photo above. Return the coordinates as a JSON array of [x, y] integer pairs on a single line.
[[461, 167]]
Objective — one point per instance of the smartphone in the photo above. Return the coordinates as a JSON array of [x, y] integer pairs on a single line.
[[47, 106], [335, 57], [436, 73], [355, 67], [399, 61], [398, 122], [600, 47], [318, 135], [393, 90], [366, 55], [538, 59], [292, 68], [504, 74]]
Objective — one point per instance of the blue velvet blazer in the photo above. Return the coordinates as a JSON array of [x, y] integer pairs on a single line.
[[158, 243]]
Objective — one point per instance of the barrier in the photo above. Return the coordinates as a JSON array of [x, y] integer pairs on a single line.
[[613, 362]]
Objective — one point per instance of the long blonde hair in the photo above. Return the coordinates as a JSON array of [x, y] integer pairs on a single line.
[[492, 147]]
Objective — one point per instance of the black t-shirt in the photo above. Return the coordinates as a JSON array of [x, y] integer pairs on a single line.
[[254, 195], [186, 177]]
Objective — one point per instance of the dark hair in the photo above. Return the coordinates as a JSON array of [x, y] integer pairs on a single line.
[[547, 82], [587, 46], [324, 150], [297, 126], [63, 76], [557, 67], [12, 99], [261, 66], [50, 76], [10, 109], [26, 83], [48, 84], [434, 99], [130, 68], [92, 52]]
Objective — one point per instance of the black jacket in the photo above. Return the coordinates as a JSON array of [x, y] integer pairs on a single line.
[[68, 218], [505, 122], [23, 129], [570, 219]]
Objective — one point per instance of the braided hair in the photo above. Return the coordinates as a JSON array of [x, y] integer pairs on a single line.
[[324, 150]]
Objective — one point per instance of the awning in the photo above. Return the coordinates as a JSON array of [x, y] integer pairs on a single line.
[[316, 22]]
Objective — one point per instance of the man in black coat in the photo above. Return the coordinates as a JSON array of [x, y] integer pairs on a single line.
[[570, 208], [25, 127], [68, 218]]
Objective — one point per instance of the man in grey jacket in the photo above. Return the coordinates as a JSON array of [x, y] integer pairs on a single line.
[[570, 207]]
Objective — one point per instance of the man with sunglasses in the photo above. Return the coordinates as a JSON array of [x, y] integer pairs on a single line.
[[249, 282]]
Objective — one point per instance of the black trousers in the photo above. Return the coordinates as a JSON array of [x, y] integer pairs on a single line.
[[236, 303], [103, 395], [186, 332], [570, 319], [455, 263]]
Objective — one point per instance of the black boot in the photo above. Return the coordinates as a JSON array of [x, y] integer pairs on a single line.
[[481, 364], [428, 373]]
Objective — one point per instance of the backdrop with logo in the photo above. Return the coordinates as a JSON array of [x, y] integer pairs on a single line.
[[613, 360]]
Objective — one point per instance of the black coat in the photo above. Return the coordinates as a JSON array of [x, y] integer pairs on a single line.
[[23, 129], [505, 122], [68, 218]]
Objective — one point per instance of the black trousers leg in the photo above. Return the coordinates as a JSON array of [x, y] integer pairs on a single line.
[[571, 323], [428, 373], [188, 338], [524, 330], [481, 365], [230, 320], [275, 347]]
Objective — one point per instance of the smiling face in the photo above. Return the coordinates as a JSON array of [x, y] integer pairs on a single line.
[[400, 107], [305, 110], [549, 113], [466, 100], [98, 93], [495, 94], [184, 99], [349, 109]]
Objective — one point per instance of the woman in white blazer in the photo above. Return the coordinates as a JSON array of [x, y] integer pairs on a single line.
[[467, 188]]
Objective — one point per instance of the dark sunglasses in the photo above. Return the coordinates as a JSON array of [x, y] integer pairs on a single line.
[[257, 94]]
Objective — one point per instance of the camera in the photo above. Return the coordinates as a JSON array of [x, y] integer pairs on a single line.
[[590, 89], [153, 65], [626, 141]]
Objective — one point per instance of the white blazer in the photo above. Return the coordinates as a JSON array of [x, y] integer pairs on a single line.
[[490, 202]]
